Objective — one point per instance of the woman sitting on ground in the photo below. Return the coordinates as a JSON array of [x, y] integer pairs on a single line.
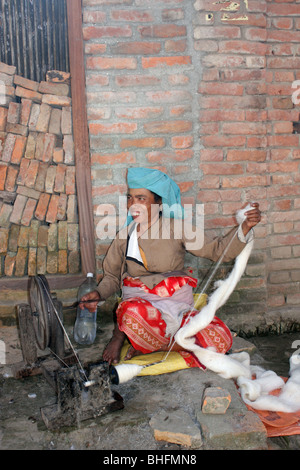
[[148, 265]]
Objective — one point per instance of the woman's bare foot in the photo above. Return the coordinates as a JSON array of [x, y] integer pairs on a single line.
[[111, 353], [132, 353]]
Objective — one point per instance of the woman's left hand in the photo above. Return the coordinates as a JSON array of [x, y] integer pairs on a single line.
[[253, 217]]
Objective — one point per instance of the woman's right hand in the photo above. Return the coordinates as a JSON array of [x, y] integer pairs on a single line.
[[91, 306]]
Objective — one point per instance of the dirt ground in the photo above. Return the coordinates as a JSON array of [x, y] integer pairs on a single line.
[[22, 428]]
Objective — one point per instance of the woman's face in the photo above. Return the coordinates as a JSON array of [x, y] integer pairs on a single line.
[[142, 205]]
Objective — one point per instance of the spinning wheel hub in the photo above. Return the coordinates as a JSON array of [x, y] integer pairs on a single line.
[[48, 331]]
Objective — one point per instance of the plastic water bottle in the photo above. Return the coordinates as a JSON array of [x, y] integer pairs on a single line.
[[86, 322]]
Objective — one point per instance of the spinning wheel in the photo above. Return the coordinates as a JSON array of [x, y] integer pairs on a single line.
[[46, 313]]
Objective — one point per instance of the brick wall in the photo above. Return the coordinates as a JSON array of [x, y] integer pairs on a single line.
[[203, 90], [38, 208]]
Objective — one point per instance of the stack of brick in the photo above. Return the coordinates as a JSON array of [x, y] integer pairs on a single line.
[[39, 231]]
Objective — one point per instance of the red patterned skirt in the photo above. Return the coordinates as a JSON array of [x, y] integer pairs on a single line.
[[146, 330]]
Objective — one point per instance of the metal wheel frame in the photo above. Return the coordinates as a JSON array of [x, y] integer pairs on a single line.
[[42, 310]]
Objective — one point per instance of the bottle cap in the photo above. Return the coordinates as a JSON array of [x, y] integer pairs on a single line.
[[90, 275]]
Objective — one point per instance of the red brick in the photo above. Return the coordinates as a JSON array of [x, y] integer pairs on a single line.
[[206, 45], [166, 127], [62, 206], [223, 168], [68, 147], [258, 20], [244, 128], [56, 101], [283, 63], [21, 258], [10, 261], [246, 155], [8, 69], [283, 127], [48, 147], [3, 171], [169, 61], [96, 32], [162, 31], [19, 149], [132, 15], [245, 181], [242, 47], [182, 141], [50, 88], [112, 159], [17, 129], [170, 96], [172, 14], [283, 23], [217, 32], [25, 162], [25, 111], [70, 180], [59, 185], [42, 124], [41, 177], [220, 89], [26, 83], [139, 113], [137, 80], [180, 110], [283, 167], [284, 36], [10, 183], [136, 47], [110, 189], [3, 118], [224, 141], [93, 16], [175, 46], [52, 209], [117, 128], [284, 140], [213, 155], [57, 76], [253, 115], [94, 48], [17, 212], [115, 63], [241, 75], [8, 147], [28, 94], [62, 262], [145, 142], [31, 173], [226, 115], [28, 212], [42, 206], [14, 110], [58, 155], [178, 79], [167, 156], [109, 97], [95, 114], [279, 89]]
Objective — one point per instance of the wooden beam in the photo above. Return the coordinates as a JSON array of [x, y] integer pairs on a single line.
[[56, 282], [81, 137]]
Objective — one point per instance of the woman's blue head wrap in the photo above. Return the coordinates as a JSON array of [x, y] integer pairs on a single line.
[[160, 184]]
